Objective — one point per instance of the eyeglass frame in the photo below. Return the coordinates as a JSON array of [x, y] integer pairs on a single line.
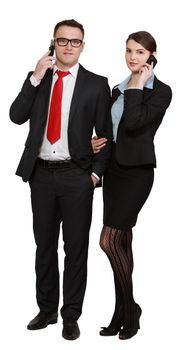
[[69, 41]]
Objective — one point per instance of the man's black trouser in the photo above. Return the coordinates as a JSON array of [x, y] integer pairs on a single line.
[[64, 194]]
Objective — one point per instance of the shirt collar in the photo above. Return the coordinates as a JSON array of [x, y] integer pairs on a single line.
[[73, 70], [149, 83], [123, 85]]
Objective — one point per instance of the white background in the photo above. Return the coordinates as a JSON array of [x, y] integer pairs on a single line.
[[26, 29]]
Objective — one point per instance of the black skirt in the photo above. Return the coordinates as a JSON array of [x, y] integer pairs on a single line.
[[125, 190]]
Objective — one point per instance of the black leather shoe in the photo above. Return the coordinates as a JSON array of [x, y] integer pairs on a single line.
[[129, 332], [42, 320], [71, 330], [109, 331]]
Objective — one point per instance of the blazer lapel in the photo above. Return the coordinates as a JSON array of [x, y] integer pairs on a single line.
[[78, 90], [44, 97], [115, 94], [47, 88]]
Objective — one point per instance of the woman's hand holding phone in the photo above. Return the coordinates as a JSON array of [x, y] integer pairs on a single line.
[[146, 71], [144, 74]]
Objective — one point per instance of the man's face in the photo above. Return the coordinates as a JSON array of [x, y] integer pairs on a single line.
[[67, 56]]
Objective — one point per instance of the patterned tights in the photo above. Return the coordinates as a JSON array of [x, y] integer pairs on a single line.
[[117, 244]]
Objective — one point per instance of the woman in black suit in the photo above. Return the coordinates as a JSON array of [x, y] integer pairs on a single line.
[[138, 106]]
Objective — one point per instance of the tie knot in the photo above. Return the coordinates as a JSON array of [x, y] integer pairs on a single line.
[[62, 74]]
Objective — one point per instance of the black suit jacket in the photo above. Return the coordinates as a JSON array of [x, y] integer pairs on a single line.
[[89, 109], [143, 113]]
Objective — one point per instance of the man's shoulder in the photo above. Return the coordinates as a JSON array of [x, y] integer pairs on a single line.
[[92, 75]]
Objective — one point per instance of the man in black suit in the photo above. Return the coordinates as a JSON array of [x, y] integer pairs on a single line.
[[62, 171]]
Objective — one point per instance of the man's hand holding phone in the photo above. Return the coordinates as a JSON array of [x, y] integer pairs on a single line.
[[45, 62]]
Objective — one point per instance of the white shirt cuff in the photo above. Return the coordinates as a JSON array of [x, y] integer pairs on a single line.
[[95, 175], [34, 81]]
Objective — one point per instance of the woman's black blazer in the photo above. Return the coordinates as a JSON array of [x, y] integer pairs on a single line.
[[142, 115]]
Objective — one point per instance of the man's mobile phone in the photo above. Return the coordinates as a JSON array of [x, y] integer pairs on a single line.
[[51, 48], [152, 59]]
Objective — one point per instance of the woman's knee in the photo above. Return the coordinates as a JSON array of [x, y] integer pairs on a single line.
[[106, 239]]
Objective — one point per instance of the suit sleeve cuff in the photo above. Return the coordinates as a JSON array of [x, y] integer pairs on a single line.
[[134, 87]]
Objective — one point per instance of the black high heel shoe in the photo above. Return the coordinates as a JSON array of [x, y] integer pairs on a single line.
[[115, 324], [129, 332], [109, 331]]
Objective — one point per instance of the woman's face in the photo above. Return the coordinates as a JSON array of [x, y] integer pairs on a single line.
[[136, 56]]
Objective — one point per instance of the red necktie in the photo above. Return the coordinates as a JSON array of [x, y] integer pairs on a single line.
[[54, 123]]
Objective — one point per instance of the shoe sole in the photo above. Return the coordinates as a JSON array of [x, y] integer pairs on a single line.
[[68, 338], [108, 334]]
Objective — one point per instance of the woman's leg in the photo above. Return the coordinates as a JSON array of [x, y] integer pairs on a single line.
[[117, 244], [127, 246]]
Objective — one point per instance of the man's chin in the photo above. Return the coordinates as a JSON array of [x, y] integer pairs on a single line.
[[67, 63]]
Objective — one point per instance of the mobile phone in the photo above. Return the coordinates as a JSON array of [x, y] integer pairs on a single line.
[[51, 48], [152, 59]]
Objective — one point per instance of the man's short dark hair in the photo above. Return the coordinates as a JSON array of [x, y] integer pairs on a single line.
[[69, 23]]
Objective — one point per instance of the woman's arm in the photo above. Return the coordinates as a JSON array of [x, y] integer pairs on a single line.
[[140, 110]]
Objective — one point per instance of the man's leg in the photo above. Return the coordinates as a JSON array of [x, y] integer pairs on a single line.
[[46, 225], [76, 206]]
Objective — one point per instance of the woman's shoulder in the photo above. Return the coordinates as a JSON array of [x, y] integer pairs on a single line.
[[160, 84]]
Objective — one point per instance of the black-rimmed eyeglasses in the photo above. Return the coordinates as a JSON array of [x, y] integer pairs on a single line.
[[65, 41]]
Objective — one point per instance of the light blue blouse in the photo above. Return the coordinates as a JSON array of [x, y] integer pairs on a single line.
[[118, 106]]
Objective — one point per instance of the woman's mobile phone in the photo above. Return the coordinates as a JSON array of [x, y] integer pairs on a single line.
[[152, 59], [51, 48]]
